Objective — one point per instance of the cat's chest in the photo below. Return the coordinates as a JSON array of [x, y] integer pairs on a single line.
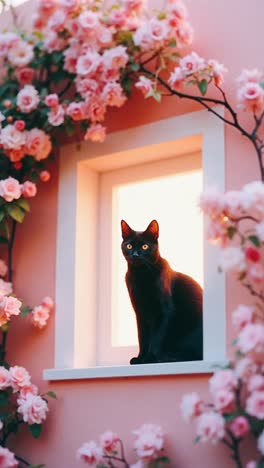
[[144, 290]]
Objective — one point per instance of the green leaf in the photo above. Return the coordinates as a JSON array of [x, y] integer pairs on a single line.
[[24, 204], [25, 311], [35, 430], [255, 240], [3, 240], [51, 394], [15, 213], [3, 398], [2, 215], [12, 426], [262, 84], [231, 230], [197, 440], [203, 85]]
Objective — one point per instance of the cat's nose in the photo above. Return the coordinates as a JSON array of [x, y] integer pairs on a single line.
[[135, 254]]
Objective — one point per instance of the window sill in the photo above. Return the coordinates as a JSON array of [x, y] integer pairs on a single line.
[[141, 370]]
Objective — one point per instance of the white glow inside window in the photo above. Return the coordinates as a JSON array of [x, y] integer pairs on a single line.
[[172, 201]]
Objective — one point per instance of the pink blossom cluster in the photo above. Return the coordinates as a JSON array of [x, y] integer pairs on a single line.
[[193, 69], [31, 406], [235, 220], [148, 445], [11, 189], [250, 93], [18, 142], [40, 314]]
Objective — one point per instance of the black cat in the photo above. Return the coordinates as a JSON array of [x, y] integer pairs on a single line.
[[168, 304]]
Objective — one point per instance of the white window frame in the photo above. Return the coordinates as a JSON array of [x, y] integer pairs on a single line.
[[76, 263]]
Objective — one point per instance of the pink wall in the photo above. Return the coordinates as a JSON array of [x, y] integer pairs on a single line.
[[232, 33]]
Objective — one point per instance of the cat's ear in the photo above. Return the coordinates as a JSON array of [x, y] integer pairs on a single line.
[[153, 229], [126, 230]]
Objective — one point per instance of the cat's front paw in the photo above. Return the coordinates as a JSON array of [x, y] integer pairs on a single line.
[[135, 360]]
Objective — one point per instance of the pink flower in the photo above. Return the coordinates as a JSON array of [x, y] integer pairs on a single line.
[[158, 29], [113, 94], [57, 21], [53, 42], [116, 57], [56, 116], [10, 189], [184, 33], [245, 368], [33, 409], [7, 458], [251, 338], [44, 176], [256, 382], [233, 203], [149, 441], [252, 76], [218, 71], [7, 40], [40, 316], [191, 63], [90, 453], [191, 406], [261, 443], [20, 54], [27, 99], [24, 75], [253, 198], [76, 110], [145, 85], [108, 441], [8, 306], [223, 400], [47, 302], [95, 133], [5, 379], [52, 100], [11, 138], [232, 259], [142, 37], [176, 78], [255, 404], [95, 109], [252, 254], [88, 20], [251, 97], [38, 144], [3, 268], [28, 389], [242, 316], [239, 426], [88, 63], [139, 464], [210, 427], [29, 189], [86, 87], [20, 125], [212, 202], [19, 377], [5, 288], [222, 380]]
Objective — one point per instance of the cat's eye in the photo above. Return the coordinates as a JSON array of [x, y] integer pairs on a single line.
[[145, 247], [129, 246]]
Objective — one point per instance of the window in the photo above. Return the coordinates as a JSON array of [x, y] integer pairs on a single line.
[[101, 184]]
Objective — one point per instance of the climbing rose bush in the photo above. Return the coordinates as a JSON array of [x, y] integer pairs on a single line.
[[148, 445]]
